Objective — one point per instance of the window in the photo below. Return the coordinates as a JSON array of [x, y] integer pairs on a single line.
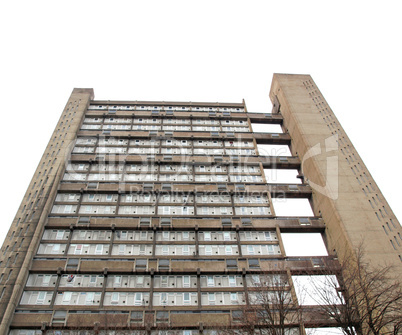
[[207, 236], [164, 281], [163, 299], [256, 279], [186, 298], [114, 300], [46, 280], [99, 249], [90, 298], [138, 299], [232, 281], [68, 209], [117, 281], [78, 249], [210, 281], [92, 280], [66, 297], [140, 281], [233, 298], [211, 298], [186, 281], [56, 249], [59, 235]]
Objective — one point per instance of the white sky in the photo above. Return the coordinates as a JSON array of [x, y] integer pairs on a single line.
[[197, 51]]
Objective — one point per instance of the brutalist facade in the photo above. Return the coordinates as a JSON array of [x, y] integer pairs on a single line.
[[157, 217]]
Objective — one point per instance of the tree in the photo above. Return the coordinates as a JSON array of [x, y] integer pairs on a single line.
[[271, 309], [362, 299]]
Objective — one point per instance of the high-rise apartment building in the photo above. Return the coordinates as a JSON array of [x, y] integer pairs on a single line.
[[145, 217]]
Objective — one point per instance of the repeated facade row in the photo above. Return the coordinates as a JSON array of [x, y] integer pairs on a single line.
[[164, 107]]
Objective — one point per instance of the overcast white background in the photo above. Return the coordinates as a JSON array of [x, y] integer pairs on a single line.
[[198, 51]]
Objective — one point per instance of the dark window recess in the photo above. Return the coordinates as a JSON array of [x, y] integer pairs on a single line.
[[72, 263], [59, 317], [240, 187], [141, 264], [166, 222], [84, 220], [145, 222], [92, 185], [231, 263], [136, 316], [221, 187], [226, 222], [253, 263], [317, 262], [164, 264], [246, 221], [167, 187], [304, 221], [237, 315], [162, 316], [148, 186]]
